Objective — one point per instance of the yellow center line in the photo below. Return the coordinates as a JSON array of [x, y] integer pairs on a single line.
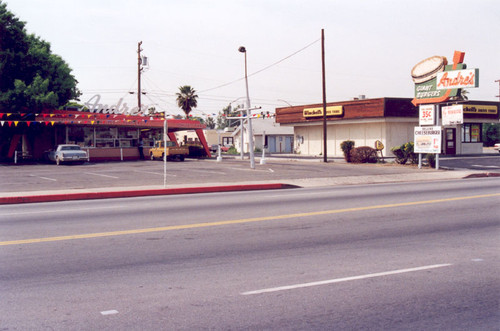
[[238, 221]]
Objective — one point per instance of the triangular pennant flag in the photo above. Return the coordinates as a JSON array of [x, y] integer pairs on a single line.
[[15, 123], [52, 122], [2, 122]]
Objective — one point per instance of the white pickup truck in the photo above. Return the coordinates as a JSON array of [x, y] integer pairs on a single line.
[[67, 153]]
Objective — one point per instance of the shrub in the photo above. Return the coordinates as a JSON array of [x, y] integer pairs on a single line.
[[404, 153], [364, 154], [346, 147], [232, 150], [399, 153], [408, 150], [431, 160]]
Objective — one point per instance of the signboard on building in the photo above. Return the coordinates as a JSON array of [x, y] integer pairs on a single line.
[[318, 111], [457, 79], [453, 115], [480, 109], [436, 81], [427, 140], [426, 115]]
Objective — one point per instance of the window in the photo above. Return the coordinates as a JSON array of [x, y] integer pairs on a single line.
[[471, 133]]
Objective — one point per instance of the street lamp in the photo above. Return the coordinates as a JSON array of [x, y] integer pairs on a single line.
[[250, 132]]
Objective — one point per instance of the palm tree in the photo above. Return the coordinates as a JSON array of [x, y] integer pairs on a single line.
[[187, 99]]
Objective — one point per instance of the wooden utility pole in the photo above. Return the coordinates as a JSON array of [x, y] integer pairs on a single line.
[[325, 157], [498, 96], [139, 62]]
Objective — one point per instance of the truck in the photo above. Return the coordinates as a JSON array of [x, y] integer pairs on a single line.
[[174, 152]]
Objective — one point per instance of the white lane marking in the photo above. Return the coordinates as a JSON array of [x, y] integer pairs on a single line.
[[346, 279], [91, 173], [109, 312], [477, 260], [485, 166], [155, 173], [271, 170], [46, 178]]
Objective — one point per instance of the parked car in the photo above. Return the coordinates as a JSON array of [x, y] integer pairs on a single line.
[[497, 147], [214, 148], [68, 154]]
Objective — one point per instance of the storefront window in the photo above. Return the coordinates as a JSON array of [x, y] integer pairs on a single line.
[[471, 133], [105, 137], [76, 135], [89, 136]]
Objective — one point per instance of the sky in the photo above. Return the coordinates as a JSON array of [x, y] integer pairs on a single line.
[[370, 47]]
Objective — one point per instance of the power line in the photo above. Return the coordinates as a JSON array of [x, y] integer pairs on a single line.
[[263, 69]]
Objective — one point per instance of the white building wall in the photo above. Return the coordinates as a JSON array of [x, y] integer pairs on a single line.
[[362, 133]]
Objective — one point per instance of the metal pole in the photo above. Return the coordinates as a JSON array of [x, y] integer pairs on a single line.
[[165, 131], [139, 75], [241, 136], [325, 157], [263, 159], [438, 122], [249, 115]]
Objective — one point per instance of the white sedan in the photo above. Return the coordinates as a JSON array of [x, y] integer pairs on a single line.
[[68, 153]]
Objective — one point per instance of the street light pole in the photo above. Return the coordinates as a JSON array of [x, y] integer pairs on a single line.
[[250, 131]]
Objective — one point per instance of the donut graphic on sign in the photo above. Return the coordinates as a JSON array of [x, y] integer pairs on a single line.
[[436, 81]]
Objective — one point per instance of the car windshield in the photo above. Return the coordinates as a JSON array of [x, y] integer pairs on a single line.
[[70, 148]]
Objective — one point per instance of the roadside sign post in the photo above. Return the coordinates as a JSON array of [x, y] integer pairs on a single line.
[[165, 132], [436, 82]]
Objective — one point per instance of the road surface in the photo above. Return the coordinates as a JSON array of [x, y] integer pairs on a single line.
[[380, 257]]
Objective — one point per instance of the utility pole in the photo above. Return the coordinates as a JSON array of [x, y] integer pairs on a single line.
[[498, 96], [325, 157], [139, 62]]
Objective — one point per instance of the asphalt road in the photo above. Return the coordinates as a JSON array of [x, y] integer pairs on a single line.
[[379, 257]]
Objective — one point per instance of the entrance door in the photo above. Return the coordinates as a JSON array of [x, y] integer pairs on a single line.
[[450, 141]]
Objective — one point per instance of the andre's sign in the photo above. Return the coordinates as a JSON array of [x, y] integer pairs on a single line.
[[436, 81]]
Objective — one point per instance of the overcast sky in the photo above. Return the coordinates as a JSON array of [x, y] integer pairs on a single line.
[[371, 47]]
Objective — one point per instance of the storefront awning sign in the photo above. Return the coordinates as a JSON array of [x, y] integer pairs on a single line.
[[318, 111]]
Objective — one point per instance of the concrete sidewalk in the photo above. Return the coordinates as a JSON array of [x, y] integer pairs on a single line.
[[136, 191]]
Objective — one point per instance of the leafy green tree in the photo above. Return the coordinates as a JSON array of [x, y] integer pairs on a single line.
[[491, 133], [210, 123], [223, 122], [31, 77], [187, 99]]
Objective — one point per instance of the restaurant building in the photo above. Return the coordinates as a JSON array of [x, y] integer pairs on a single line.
[[104, 136], [389, 120]]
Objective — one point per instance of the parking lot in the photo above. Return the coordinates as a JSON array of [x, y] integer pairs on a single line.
[[36, 177]]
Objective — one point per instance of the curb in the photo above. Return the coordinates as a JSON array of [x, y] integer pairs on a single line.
[[140, 193]]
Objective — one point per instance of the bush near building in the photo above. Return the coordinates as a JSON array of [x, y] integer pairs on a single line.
[[404, 153], [363, 154]]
